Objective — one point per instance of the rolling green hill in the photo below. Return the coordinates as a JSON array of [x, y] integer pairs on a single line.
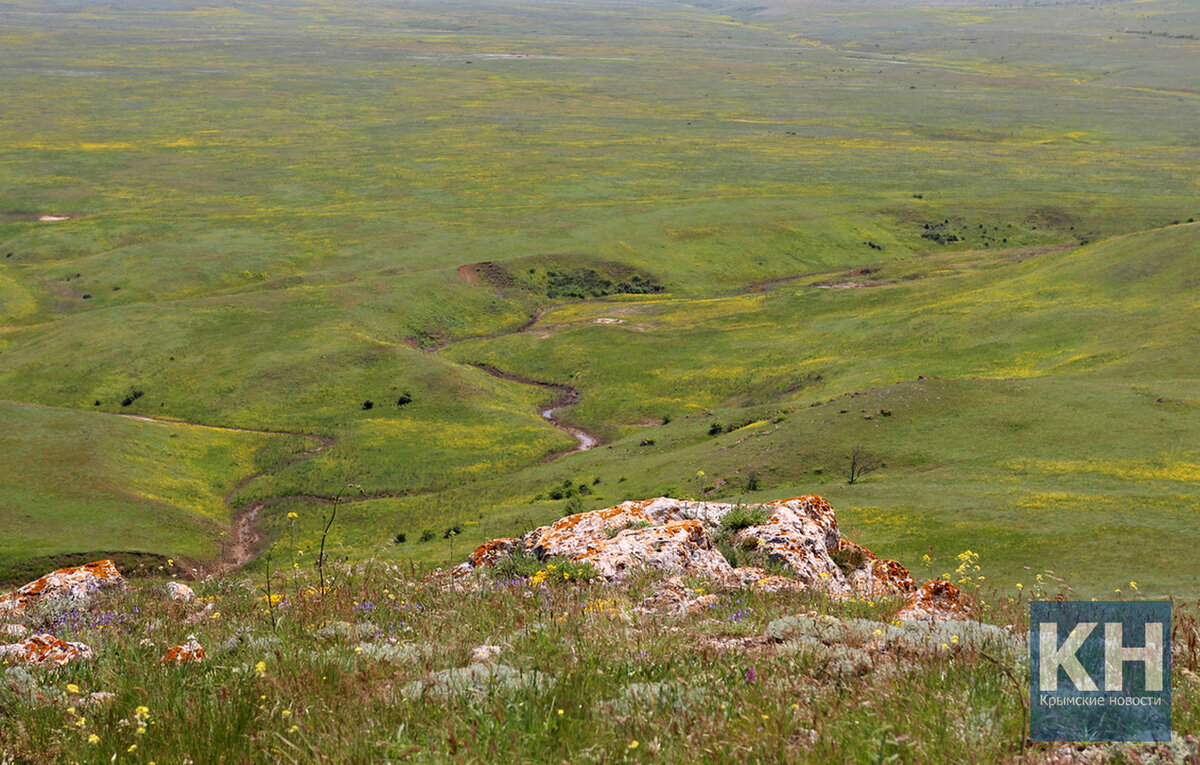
[[973, 219]]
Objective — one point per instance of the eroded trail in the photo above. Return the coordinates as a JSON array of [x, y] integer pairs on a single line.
[[241, 541], [567, 396]]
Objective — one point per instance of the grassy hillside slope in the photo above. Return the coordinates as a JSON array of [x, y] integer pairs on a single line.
[[265, 210]]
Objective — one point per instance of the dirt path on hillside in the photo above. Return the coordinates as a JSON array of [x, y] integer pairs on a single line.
[[567, 396], [241, 543]]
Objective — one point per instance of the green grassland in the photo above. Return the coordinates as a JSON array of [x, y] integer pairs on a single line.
[[87, 483], [271, 203]]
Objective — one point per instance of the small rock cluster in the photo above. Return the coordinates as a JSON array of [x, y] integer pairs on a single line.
[[79, 583]]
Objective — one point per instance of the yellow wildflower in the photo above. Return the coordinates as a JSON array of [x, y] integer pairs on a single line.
[[93, 739], [261, 668], [72, 688], [633, 744]]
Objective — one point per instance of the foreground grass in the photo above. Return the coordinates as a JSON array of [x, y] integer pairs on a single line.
[[352, 676]]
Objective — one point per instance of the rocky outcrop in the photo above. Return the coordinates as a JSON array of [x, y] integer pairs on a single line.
[[77, 582], [676, 536], [938, 600], [44, 650]]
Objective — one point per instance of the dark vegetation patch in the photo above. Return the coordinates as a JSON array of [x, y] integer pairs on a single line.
[[134, 395], [566, 490], [571, 278]]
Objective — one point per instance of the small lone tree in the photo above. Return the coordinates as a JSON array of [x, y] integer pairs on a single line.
[[861, 463]]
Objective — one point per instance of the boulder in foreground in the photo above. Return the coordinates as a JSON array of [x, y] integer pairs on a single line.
[[76, 582]]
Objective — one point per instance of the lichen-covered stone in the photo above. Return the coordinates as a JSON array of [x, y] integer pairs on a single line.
[[676, 535], [76, 582], [673, 597], [45, 650], [489, 552], [475, 681], [485, 653], [938, 600], [874, 577], [676, 546], [801, 533], [576, 535], [180, 593], [189, 651]]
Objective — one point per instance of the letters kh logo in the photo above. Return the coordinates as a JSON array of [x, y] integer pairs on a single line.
[[1121, 646], [1115, 656]]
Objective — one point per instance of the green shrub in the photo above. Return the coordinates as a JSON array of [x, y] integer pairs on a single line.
[[521, 565], [848, 558], [739, 518]]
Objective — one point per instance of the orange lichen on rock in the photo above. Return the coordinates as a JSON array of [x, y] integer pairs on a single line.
[[45, 650], [801, 533], [489, 552], [77, 582], [189, 651], [574, 534], [873, 576], [937, 601], [677, 546], [674, 535]]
